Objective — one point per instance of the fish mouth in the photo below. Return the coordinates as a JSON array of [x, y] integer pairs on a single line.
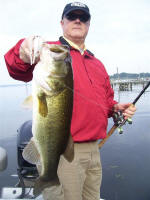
[[59, 52], [58, 48]]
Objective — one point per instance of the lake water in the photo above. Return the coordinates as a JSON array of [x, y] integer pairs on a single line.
[[125, 158]]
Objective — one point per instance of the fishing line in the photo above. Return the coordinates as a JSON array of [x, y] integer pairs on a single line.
[[88, 99], [81, 95]]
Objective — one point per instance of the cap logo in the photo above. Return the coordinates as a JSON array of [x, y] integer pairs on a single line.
[[78, 4]]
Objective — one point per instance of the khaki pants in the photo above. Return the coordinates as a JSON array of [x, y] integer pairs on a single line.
[[80, 179]]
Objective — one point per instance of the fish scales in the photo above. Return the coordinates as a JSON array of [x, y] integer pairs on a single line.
[[53, 131]]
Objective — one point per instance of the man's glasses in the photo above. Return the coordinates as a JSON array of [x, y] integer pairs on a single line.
[[73, 16]]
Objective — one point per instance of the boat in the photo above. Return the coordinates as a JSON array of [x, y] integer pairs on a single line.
[[26, 172]]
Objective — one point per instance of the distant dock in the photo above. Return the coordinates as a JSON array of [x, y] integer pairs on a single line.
[[128, 84]]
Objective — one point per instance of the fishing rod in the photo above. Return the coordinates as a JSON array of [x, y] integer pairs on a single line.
[[119, 120]]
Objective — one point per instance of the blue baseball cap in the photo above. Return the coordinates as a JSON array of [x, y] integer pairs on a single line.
[[75, 6]]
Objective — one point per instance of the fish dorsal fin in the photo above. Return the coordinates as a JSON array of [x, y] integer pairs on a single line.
[[31, 154], [42, 105], [28, 103]]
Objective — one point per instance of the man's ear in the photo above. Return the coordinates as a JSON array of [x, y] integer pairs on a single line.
[[88, 23]]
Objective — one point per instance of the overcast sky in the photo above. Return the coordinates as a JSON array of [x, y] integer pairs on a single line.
[[119, 34]]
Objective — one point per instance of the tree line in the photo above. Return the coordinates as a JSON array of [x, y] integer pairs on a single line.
[[125, 75]]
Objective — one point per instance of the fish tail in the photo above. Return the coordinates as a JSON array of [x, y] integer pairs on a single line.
[[41, 184]]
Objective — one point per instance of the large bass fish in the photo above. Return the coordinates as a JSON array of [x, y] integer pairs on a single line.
[[52, 111]]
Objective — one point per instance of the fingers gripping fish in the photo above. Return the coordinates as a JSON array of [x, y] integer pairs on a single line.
[[36, 43]]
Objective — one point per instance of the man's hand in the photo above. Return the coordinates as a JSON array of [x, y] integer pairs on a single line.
[[30, 49], [128, 109]]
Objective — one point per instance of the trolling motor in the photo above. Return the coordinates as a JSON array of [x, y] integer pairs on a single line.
[[27, 173], [119, 120]]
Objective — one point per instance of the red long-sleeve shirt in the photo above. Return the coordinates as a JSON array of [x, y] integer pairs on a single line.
[[93, 96]]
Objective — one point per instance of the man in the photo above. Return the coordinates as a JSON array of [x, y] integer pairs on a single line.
[[93, 102]]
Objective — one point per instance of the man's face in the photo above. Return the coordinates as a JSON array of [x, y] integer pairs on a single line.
[[75, 29]]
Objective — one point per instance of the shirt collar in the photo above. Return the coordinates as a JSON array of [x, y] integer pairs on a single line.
[[75, 46]]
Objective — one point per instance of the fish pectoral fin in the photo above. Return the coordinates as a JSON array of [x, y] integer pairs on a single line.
[[69, 152], [42, 106], [31, 154], [41, 184], [28, 103]]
